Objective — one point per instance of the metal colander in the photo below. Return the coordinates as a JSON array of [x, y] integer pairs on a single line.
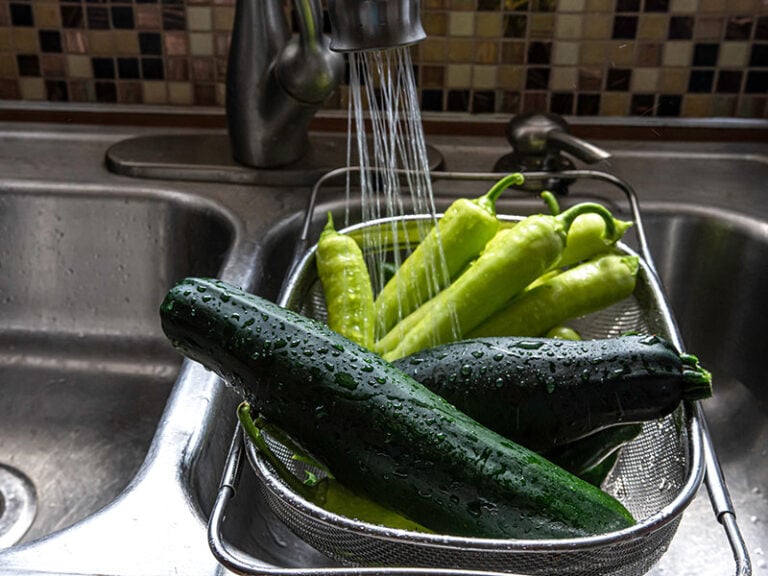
[[656, 476]]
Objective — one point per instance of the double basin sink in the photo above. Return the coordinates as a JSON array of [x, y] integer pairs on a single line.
[[112, 448]]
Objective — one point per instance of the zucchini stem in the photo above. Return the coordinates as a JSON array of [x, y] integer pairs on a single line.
[[698, 380]]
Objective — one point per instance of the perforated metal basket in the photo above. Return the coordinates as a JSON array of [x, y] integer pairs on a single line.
[[656, 477]]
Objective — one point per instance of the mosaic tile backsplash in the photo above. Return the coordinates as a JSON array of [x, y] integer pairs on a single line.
[[666, 58]]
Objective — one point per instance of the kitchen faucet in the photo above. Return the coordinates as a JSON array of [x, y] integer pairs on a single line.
[[276, 83]]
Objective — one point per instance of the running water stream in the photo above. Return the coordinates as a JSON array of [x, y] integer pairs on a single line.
[[386, 144]]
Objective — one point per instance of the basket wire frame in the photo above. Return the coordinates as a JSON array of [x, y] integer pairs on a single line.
[[656, 477]]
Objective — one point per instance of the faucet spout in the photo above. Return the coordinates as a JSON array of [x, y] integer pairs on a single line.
[[276, 82]]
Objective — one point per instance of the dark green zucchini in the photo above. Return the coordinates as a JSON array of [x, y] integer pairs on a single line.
[[542, 392], [381, 433]]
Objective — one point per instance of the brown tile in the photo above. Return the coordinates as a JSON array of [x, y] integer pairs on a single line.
[[590, 79], [673, 80], [433, 50], [74, 42], [724, 106], [148, 17], [435, 4], [697, 106], [221, 44], [462, 5], [5, 18], [205, 94], [510, 102], [513, 52], [488, 24], [649, 54], [53, 65], [511, 77], [126, 42], [130, 93], [176, 43], [101, 42], [177, 69], [486, 53], [203, 69], [435, 23], [81, 91], [593, 53], [6, 41], [432, 76], [9, 89], [221, 69], [708, 28], [534, 102], [621, 54], [593, 6]]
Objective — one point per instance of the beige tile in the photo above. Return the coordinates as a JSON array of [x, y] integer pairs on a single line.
[[645, 79], [461, 50], [199, 18], [6, 40], [5, 20], [126, 42], [620, 54], [541, 25], [458, 76], [733, 54], [615, 104], [461, 23], [677, 54], [484, 77], [79, 66], [652, 27], [713, 5], [200, 44], [600, 6], [677, 6], [488, 24], [568, 26], [47, 14], [101, 42], [564, 78], [221, 95], [223, 17], [571, 5], [433, 50], [25, 40], [180, 93], [565, 53], [598, 27], [511, 77], [697, 105], [155, 93], [7, 66], [673, 80], [32, 88], [462, 5], [591, 53], [590, 79]]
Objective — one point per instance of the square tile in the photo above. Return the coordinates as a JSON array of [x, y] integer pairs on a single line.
[[56, 91], [511, 78], [25, 40], [729, 81], [668, 105], [565, 53], [653, 27], [642, 105], [701, 81], [588, 104], [645, 80], [683, 5], [461, 23], [50, 41], [483, 102], [458, 75], [488, 24], [615, 104], [705, 54], [562, 103], [32, 88], [79, 66], [649, 54], [677, 54], [624, 27], [564, 79], [21, 14], [461, 51], [569, 26], [733, 54], [695, 106], [46, 14], [199, 18], [537, 78], [618, 79], [484, 77]]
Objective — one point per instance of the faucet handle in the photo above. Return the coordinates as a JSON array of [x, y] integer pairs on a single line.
[[538, 140]]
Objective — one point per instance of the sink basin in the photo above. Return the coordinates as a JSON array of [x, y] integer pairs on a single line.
[[85, 371], [712, 264]]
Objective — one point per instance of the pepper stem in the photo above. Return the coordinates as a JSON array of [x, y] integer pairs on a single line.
[[488, 200], [574, 212], [551, 202]]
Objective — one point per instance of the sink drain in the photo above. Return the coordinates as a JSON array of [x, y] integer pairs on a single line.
[[18, 504]]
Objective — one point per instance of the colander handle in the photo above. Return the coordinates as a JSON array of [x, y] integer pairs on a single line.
[[721, 500]]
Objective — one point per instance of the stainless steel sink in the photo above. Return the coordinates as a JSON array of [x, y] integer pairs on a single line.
[[85, 371], [124, 444]]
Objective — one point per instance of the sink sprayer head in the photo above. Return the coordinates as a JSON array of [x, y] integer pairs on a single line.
[[359, 25]]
